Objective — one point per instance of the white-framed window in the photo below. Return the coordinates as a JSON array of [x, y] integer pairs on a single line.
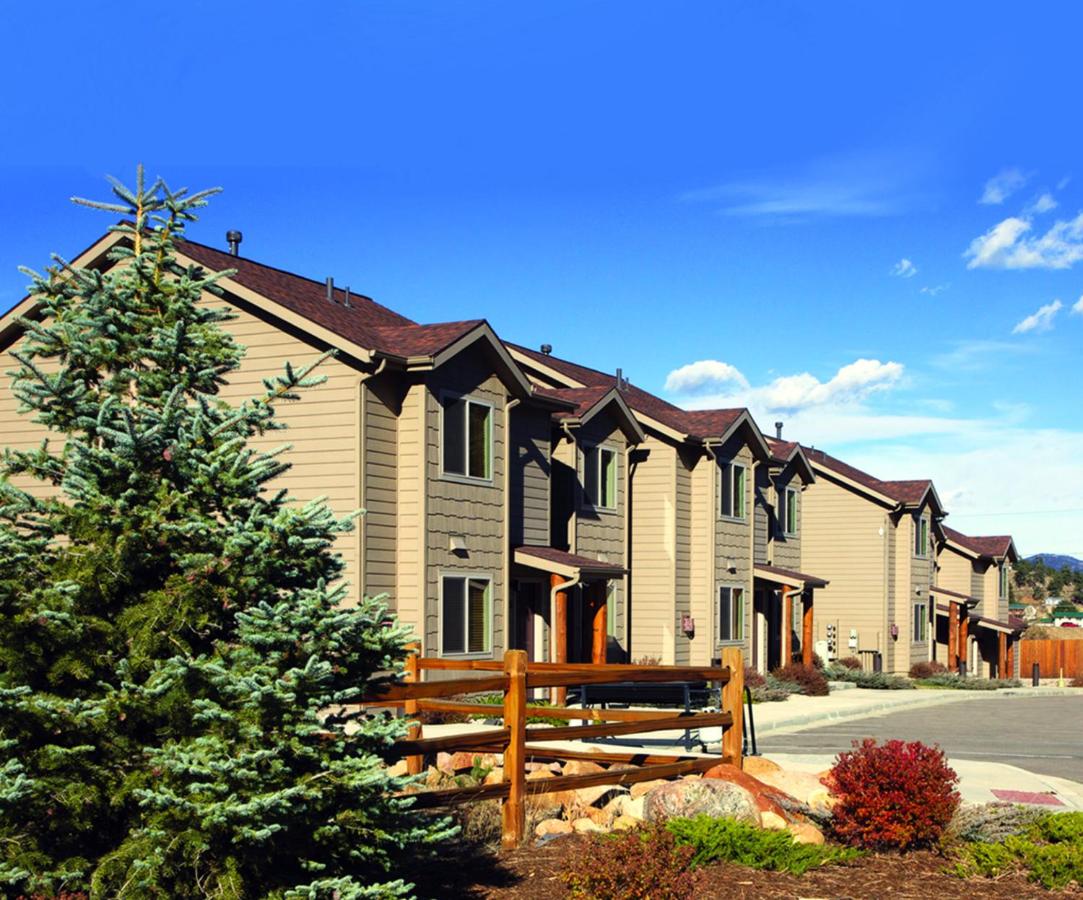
[[466, 615], [921, 621], [732, 491], [600, 477], [789, 511], [467, 438], [921, 537], [1003, 580], [730, 621]]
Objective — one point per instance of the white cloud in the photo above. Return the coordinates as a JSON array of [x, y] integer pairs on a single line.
[[904, 268], [977, 355], [1042, 204], [1042, 320], [934, 290], [788, 393], [702, 375], [1002, 185], [1006, 246], [1077, 307]]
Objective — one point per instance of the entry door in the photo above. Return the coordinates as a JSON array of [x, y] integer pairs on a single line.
[[528, 619], [774, 629]]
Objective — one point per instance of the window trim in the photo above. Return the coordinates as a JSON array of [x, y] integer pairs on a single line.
[[743, 624], [1003, 582], [924, 607], [727, 469], [465, 478], [921, 525], [598, 449], [466, 576], [790, 494]]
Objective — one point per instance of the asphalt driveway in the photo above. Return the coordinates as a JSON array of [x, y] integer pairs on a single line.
[[1040, 734]]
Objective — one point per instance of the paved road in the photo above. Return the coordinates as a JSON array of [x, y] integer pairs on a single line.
[[1040, 734]]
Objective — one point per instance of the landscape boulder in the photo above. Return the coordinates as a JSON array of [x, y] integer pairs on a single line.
[[710, 797], [552, 827]]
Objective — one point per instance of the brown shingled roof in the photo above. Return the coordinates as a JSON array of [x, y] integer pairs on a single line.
[[988, 545], [901, 491]]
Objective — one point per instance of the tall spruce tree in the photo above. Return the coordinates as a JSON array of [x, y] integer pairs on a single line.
[[178, 671]]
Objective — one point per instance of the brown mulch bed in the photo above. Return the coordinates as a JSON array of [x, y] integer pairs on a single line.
[[532, 873]]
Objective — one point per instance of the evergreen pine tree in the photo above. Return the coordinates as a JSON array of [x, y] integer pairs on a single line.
[[178, 671]]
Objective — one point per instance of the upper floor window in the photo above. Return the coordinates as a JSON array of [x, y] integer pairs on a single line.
[[600, 477], [465, 615], [921, 537], [1003, 579], [789, 511], [730, 623], [467, 438], [732, 491]]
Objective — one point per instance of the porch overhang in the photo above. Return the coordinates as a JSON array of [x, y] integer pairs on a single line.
[[952, 597], [788, 577], [994, 625], [567, 565]]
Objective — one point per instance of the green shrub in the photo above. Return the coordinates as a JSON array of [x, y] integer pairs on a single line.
[[927, 669], [991, 822], [1050, 852], [878, 681], [498, 699], [954, 682], [725, 840], [1059, 828], [645, 864], [809, 680]]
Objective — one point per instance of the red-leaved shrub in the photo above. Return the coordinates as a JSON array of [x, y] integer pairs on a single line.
[[645, 864], [753, 678], [810, 679], [927, 669], [896, 795], [849, 662]]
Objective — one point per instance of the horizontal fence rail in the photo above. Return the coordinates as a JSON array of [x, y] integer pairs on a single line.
[[512, 678]]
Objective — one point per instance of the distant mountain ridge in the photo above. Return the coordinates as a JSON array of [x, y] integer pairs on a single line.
[[1057, 561]]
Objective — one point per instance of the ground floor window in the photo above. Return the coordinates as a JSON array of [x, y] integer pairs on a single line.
[[921, 622], [731, 614], [465, 615]]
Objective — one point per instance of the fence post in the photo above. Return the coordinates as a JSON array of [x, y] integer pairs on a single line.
[[733, 702], [513, 812], [409, 707]]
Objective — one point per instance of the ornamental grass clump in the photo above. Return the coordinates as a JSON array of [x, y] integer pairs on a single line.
[[876, 681], [894, 796]]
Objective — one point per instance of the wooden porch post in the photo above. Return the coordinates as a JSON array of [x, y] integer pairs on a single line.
[[807, 630], [733, 700], [513, 812], [964, 632], [600, 631], [787, 626], [1011, 658], [409, 708], [953, 636], [560, 634], [1002, 654]]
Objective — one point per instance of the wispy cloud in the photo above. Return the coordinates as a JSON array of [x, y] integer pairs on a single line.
[[1042, 204], [1041, 320], [904, 268], [976, 355], [1077, 307], [1007, 245], [703, 375], [934, 289], [787, 393], [845, 186], [1002, 185]]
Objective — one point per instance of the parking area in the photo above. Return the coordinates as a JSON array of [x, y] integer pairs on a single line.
[[1040, 734]]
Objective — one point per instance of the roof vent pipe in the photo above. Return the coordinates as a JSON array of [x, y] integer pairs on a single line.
[[234, 238], [546, 349], [778, 431], [330, 289], [346, 298]]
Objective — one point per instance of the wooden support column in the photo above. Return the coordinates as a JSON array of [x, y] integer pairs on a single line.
[[1002, 655], [409, 708], [560, 634], [733, 701], [787, 626], [964, 633], [807, 630], [953, 636], [600, 625], [513, 812], [1011, 658]]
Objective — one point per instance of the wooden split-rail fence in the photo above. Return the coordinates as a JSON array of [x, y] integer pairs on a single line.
[[1055, 658], [514, 678]]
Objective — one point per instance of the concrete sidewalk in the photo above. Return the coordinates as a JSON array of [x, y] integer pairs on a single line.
[[977, 781]]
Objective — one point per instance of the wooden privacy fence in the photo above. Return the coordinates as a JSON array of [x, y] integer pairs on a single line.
[[513, 678], [1052, 656]]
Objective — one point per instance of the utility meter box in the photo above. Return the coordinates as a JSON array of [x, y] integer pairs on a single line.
[[853, 639], [823, 651]]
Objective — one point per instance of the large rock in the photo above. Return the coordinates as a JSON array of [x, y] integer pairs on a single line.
[[551, 827], [801, 786], [641, 788], [757, 765], [494, 777], [399, 769], [450, 763], [586, 826], [625, 823], [581, 767], [634, 809], [710, 797], [806, 833]]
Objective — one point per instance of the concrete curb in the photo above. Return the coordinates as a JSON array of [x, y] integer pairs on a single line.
[[806, 720]]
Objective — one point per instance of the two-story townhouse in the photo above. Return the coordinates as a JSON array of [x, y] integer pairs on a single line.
[[873, 540], [974, 574], [701, 556]]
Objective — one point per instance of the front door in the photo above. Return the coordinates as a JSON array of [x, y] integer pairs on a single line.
[[774, 629], [528, 630]]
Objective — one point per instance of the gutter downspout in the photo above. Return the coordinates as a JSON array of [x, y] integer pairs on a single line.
[[627, 549], [509, 405], [573, 525], [712, 554], [361, 461]]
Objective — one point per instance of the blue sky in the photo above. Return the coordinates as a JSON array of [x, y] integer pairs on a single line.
[[845, 213]]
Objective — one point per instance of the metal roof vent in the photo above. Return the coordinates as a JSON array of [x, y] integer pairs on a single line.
[[546, 349], [778, 431], [330, 289], [234, 238]]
